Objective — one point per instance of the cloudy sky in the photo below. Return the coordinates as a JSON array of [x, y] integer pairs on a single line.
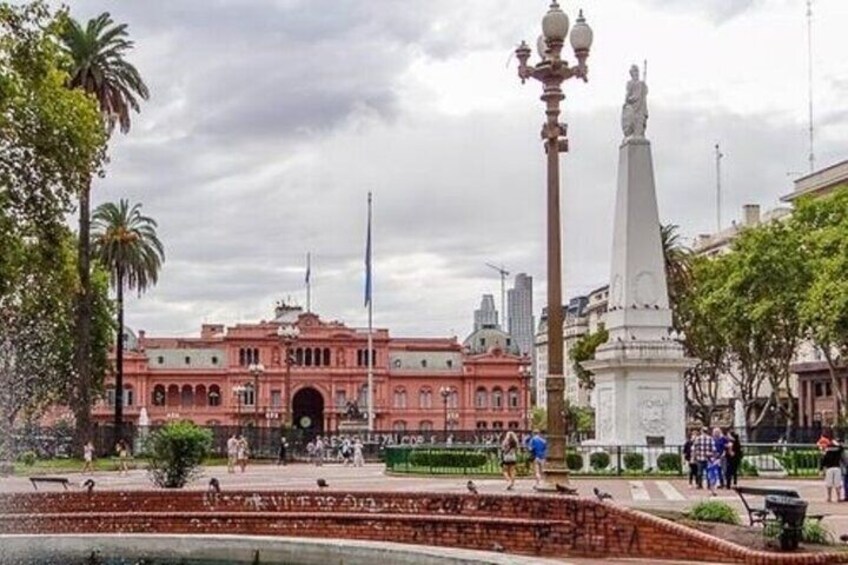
[[270, 120]]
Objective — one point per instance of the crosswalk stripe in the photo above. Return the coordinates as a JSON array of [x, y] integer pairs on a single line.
[[638, 491], [669, 491]]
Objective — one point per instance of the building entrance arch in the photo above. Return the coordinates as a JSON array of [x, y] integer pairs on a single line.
[[308, 410]]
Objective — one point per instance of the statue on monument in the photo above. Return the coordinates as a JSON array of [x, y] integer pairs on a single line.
[[634, 113]]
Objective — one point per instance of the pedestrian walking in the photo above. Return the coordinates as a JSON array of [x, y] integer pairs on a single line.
[[734, 459], [720, 441], [831, 466], [509, 458], [88, 457], [232, 453], [318, 453], [123, 455], [703, 447], [284, 445], [242, 453], [538, 448], [690, 461], [358, 458]]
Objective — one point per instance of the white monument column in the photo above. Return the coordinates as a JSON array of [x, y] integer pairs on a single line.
[[639, 372]]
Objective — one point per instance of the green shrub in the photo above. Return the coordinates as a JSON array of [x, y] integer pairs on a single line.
[[714, 511], [747, 469], [669, 462], [447, 458], [815, 532], [176, 452], [27, 458], [599, 460], [574, 461], [634, 461]]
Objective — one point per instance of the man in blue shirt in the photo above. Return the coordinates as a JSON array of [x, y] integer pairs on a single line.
[[721, 452], [538, 448]]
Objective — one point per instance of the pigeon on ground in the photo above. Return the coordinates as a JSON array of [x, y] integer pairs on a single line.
[[843, 538], [472, 488], [562, 489], [322, 483], [214, 485], [89, 485], [601, 494]]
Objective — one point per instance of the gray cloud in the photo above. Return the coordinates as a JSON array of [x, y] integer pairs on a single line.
[[719, 11]]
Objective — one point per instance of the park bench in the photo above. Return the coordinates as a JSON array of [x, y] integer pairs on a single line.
[[56, 480], [759, 514]]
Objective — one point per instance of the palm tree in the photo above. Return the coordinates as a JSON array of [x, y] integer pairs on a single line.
[[96, 65], [678, 260], [126, 244]]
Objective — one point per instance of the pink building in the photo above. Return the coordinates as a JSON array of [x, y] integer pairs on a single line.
[[208, 379]]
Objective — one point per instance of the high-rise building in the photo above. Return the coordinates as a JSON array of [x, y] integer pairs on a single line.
[[520, 322], [487, 315]]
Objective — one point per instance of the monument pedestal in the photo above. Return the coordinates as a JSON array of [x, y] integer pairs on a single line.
[[639, 372]]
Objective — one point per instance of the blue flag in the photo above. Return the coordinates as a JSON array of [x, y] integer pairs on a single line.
[[368, 257]]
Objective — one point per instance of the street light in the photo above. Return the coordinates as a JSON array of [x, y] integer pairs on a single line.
[[445, 391], [526, 373], [288, 335], [238, 391], [256, 369], [552, 71]]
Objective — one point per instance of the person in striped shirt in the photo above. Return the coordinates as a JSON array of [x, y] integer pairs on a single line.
[[703, 447]]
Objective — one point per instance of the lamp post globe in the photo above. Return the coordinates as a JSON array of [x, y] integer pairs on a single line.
[[555, 23], [581, 34]]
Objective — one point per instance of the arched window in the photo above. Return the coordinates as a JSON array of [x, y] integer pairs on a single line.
[[187, 396], [200, 398], [110, 395], [497, 398], [326, 356], [242, 357], [453, 399], [214, 395], [513, 398], [359, 357], [425, 426], [308, 357], [399, 426], [425, 398], [298, 356], [362, 397], [317, 356], [249, 395], [481, 398], [158, 398], [173, 395], [129, 397], [400, 397]]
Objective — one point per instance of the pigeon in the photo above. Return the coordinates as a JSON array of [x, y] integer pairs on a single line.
[[322, 483], [601, 494], [843, 538], [214, 485], [562, 489], [89, 485], [472, 488]]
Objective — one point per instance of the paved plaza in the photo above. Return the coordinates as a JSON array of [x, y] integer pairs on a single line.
[[648, 493]]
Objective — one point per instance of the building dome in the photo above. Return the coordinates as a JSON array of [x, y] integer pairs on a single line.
[[489, 337]]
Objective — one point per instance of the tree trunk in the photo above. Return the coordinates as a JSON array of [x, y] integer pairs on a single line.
[[119, 361], [81, 396], [836, 385]]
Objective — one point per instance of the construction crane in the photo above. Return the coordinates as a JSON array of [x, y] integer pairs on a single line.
[[504, 274]]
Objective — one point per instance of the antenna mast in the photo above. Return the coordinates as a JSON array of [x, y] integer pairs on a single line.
[[810, 78], [718, 156]]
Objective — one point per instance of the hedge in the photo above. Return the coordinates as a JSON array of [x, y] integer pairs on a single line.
[[599, 461], [445, 458], [669, 462], [574, 461], [634, 461]]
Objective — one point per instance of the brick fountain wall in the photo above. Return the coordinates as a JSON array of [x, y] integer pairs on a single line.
[[550, 526]]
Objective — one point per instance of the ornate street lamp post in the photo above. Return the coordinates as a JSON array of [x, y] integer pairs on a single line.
[[256, 369], [552, 71], [289, 335], [445, 392], [238, 391]]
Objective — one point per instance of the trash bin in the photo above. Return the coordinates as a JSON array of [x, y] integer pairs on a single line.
[[790, 513]]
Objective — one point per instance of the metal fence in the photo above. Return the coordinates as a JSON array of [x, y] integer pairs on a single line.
[[773, 459]]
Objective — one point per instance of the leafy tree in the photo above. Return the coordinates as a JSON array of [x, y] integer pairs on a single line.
[[126, 244], [823, 227], [51, 143], [584, 350], [97, 66]]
